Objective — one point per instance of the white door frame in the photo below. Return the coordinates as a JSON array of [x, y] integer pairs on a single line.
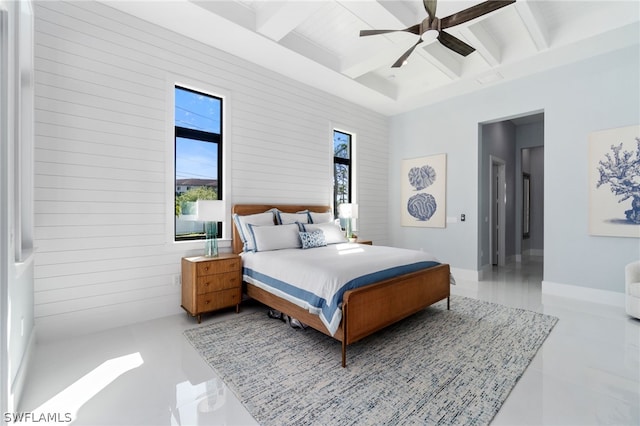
[[497, 205], [5, 253]]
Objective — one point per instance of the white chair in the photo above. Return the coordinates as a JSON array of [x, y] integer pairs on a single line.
[[632, 288]]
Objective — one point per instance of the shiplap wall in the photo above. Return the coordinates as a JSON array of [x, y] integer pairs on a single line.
[[101, 160]]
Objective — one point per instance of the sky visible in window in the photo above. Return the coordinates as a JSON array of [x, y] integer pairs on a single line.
[[341, 143], [196, 159]]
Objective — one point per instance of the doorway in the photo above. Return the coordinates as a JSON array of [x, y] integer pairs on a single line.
[[509, 149]]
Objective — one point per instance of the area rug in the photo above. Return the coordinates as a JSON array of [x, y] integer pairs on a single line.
[[436, 367]]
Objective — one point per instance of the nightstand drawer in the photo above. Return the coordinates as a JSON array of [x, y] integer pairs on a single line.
[[218, 300], [217, 267], [209, 283]]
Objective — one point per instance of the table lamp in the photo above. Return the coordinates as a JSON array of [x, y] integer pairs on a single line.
[[211, 212], [348, 211]]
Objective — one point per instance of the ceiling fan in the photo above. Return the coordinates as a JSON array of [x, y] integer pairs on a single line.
[[434, 27]]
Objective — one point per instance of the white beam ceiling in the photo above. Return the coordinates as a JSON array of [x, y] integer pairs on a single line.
[[317, 41]]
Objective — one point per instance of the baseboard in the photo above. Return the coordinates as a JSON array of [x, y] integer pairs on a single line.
[[17, 386], [586, 294], [465, 274]]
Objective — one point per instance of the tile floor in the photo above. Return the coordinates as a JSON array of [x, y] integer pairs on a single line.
[[586, 373]]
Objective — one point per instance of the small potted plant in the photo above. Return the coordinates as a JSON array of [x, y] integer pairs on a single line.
[[353, 238]]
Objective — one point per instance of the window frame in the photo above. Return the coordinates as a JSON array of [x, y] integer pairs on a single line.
[[350, 163], [203, 136], [224, 228]]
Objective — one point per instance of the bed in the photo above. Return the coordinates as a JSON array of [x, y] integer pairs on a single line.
[[362, 310]]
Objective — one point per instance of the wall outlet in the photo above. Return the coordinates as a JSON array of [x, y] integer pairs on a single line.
[[177, 280]]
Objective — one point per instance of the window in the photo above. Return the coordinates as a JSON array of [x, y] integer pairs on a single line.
[[341, 169], [198, 158]]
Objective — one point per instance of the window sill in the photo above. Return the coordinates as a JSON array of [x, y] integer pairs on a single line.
[[195, 245]]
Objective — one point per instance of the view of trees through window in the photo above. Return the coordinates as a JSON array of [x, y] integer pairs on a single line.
[[341, 169], [198, 158]]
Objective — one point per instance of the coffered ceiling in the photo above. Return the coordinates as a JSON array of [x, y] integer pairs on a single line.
[[317, 42]]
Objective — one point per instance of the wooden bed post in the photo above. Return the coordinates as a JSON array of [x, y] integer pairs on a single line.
[[448, 300]]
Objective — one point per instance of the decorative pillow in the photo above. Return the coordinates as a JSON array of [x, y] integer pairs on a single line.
[[321, 217], [332, 232], [287, 218], [274, 237], [243, 222], [312, 239]]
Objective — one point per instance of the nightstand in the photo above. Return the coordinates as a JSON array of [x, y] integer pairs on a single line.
[[211, 283]]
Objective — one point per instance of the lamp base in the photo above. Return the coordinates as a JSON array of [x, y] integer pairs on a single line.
[[211, 247], [211, 240]]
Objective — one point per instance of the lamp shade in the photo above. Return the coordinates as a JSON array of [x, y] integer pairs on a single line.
[[210, 210], [348, 210]]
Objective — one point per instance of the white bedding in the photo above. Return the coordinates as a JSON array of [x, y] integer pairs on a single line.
[[316, 279]]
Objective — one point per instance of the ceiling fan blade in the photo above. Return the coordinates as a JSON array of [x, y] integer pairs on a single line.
[[430, 6], [415, 29], [473, 12], [454, 44], [401, 60]]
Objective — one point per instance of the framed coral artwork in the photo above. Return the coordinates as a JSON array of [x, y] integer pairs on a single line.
[[424, 190], [614, 182]]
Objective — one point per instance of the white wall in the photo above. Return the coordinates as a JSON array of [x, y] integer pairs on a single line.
[[104, 179], [599, 93]]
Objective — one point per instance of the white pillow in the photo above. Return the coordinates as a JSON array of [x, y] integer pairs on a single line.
[[275, 237], [287, 218], [332, 232], [321, 217], [243, 222]]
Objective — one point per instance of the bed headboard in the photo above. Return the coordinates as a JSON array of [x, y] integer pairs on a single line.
[[245, 209]]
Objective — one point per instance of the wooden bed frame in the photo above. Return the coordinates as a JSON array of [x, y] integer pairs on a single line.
[[367, 309]]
